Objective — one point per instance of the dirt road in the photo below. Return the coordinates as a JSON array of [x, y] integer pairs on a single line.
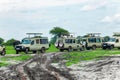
[[108, 68], [36, 68], [41, 67]]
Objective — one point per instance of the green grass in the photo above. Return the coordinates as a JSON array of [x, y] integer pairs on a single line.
[[22, 57], [10, 50], [75, 57], [3, 64], [52, 49]]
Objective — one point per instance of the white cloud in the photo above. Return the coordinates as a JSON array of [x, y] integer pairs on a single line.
[[6, 5], [94, 6], [114, 18], [107, 19]]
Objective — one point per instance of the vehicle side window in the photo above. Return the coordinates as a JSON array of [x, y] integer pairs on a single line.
[[32, 42], [37, 41], [73, 40], [98, 40], [68, 41], [117, 40], [43, 41], [92, 40]]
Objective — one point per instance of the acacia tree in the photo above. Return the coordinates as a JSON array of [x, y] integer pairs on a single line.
[[57, 31]]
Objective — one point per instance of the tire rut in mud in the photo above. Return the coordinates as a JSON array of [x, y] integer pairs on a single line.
[[36, 68]]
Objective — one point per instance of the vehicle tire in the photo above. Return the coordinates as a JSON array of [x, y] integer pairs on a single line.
[[94, 47], [87, 48], [104, 48], [43, 50], [3, 53], [111, 47], [17, 52], [26, 50], [118, 48], [34, 52], [70, 49], [61, 50]]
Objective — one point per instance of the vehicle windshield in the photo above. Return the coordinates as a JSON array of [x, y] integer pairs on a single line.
[[26, 41], [112, 40]]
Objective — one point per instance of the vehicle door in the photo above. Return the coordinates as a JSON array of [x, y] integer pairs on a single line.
[[117, 43], [44, 43], [74, 43], [98, 42], [91, 41], [35, 44]]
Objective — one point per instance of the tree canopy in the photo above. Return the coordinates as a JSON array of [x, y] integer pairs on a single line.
[[106, 38], [10, 42], [57, 31]]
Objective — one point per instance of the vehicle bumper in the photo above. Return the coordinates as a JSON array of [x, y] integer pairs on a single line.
[[105, 46], [20, 49]]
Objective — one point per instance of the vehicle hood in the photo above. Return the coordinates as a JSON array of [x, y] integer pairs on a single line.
[[110, 42], [25, 45]]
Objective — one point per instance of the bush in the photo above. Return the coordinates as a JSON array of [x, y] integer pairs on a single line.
[[10, 42]]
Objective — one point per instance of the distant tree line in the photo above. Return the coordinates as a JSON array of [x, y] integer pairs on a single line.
[[8, 42]]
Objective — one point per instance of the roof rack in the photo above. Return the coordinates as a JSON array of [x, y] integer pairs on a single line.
[[70, 35], [34, 34], [93, 34], [116, 34]]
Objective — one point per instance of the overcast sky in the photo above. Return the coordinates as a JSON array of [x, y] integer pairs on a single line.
[[17, 17]]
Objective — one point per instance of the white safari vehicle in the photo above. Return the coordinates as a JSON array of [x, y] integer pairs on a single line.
[[2, 50], [69, 43], [34, 44], [92, 41], [114, 42]]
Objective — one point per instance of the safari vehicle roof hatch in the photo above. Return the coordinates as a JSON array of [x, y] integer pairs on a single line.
[[93, 34]]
